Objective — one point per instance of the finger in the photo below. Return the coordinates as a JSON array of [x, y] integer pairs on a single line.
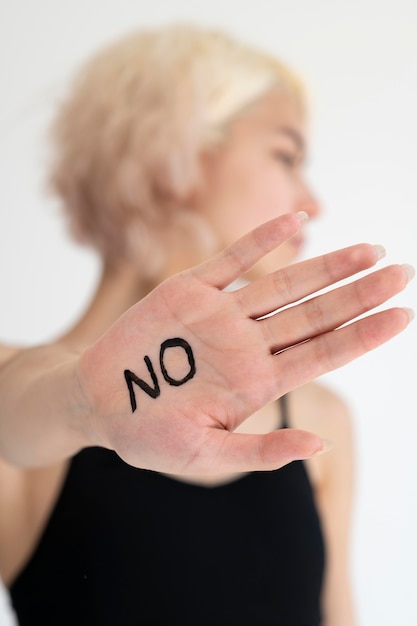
[[302, 279], [332, 350], [335, 308], [248, 453], [238, 258]]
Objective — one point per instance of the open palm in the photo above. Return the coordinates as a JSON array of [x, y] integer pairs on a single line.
[[172, 379]]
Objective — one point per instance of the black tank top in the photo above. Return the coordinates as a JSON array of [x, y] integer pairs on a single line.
[[131, 547]]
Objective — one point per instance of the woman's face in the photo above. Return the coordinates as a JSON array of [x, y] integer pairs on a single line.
[[256, 174]]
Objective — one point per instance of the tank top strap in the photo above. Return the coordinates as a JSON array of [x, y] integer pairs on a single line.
[[283, 404]]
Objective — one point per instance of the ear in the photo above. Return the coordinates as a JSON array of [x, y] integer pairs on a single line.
[[195, 198]]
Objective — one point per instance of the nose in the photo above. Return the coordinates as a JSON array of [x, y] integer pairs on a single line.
[[308, 202]]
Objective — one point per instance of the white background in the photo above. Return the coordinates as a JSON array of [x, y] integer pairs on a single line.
[[359, 60]]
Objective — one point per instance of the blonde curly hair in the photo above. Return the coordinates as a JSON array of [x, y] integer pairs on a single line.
[[126, 142]]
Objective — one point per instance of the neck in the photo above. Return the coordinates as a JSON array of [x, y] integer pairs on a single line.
[[119, 288]]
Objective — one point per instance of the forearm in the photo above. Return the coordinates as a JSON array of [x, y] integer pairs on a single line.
[[43, 409]]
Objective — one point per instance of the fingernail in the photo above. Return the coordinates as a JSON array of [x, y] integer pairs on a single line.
[[409, 270], [303, 215], [410, 313], [380, 251], [327, 445]]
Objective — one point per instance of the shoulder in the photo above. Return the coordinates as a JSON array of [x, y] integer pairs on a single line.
[[26, 498], [319, 409], [7, 352], [332, 475]]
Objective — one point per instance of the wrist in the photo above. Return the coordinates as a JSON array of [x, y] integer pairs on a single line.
[[82, 405]]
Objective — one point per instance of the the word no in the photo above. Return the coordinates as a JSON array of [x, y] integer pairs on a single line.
[[154, 390]]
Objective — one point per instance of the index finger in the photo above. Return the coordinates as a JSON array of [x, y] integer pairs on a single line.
[[237, 259]]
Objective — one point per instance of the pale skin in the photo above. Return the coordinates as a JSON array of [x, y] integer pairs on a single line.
[[261, 164], [75, 397]]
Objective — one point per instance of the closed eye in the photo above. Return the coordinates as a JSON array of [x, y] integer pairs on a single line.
[[287, 158]]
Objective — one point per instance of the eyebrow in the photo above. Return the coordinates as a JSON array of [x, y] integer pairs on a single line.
[[295, 136]]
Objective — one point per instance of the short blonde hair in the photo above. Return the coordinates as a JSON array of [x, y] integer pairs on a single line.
[[127, 140]]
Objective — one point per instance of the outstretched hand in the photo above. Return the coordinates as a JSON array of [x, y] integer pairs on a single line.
[[168, 384]]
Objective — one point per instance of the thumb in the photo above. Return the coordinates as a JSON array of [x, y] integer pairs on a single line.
[[247, 453]]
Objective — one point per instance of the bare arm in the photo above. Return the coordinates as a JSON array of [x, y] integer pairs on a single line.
[[335, 501], [41, 406], [171, 379], [333, 476]]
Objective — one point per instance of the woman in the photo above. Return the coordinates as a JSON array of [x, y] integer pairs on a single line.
[[172, 144]]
